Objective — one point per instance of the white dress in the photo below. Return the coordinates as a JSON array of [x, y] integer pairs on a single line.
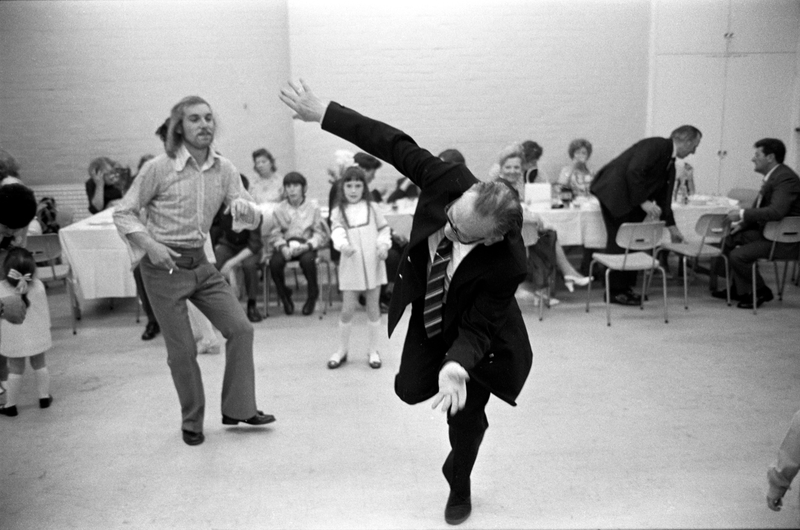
[[33, 335], [367, 232]]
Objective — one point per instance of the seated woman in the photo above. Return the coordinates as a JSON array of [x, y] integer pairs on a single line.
[[298, 232], [267, 189], [576, 175], [238, 248], [546, 255], [531, 153], [108, 182]]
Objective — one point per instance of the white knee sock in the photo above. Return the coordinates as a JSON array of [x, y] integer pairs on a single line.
[[374, 334], [344, 336], [42, 382], [12, 389]]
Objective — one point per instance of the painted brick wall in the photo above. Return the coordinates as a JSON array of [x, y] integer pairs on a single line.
[[96, 78], [476, 75], [90, 78]]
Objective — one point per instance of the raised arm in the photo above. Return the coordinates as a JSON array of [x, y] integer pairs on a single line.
[[374, 137]]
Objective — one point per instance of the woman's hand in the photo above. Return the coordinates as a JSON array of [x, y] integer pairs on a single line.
[[383, 253], [348, 250]]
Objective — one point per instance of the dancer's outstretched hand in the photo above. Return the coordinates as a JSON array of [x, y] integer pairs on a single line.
[[305, 104], [452, 388]]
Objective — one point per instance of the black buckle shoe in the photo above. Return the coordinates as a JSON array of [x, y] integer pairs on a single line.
[[253, 315], [309, 306]]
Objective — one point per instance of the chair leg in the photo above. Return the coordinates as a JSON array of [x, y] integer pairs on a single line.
[[608, 298], [727, 279], [753, 269], [664, 282], [685, 285], [589, 287], [645, 288], [266, 273]]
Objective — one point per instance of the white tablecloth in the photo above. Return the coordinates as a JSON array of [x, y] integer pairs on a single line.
[[584, 226], [98, 256]]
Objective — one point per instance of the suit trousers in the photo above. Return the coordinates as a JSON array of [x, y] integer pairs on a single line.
[[745, 248], [197, 280], [620, 282], [418, 380]]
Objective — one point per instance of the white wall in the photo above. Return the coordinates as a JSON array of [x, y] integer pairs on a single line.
[[96, 78], [476, 75], [90, 78]]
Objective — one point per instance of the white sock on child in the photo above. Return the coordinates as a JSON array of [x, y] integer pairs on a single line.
[[374, 334], [344, 336], [42, 382], [12, 389]]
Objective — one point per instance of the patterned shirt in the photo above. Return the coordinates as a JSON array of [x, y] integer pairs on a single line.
[[179, 199]]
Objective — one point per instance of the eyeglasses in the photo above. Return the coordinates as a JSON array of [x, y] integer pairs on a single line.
[[455, 231]]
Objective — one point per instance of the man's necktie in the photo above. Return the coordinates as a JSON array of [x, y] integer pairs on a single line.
[[434, 294]]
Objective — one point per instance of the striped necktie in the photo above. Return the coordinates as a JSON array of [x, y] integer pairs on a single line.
[[434, 294]]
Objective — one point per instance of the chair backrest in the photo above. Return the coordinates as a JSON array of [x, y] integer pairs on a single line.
[[712, 226], [45, 247], [640, 236], [787, 230]]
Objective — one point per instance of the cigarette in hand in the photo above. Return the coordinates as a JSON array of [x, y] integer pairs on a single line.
[[170, 271]]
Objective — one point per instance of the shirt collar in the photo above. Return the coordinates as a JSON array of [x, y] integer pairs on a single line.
[[766, 177], [183, 155]]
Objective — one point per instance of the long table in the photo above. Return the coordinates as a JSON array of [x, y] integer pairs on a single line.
[[584, 226], [98, 257]]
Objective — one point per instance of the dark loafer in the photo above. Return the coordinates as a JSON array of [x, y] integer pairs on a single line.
[[9, 411], [457, 509], [259, 419], [151, 330], [309, 306], [45, 402], [746, 301], [193, 438], [625, 299], [253, 314], [288, 305]]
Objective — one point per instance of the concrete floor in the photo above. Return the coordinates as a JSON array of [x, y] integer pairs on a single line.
[[640, 425]]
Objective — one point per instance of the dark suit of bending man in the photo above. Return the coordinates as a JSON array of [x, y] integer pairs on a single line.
[[779, 197], [483, 346], [635, 186]]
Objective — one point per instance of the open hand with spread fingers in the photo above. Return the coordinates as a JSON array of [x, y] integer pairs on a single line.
[[305, 104], [452, 388]]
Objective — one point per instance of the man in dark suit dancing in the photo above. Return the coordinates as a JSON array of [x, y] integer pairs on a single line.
[[466, 338], [779, 197], [635, 186]]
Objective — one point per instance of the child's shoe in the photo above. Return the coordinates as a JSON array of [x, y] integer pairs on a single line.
[[8, 411], [336, 360], [45, 402], [374, 360]]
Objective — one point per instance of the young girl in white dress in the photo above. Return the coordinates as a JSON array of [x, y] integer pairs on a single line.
[[360, 232], [29, 339]]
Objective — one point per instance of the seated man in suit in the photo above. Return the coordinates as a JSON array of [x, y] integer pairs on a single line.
[[464, 261], [779, 197]]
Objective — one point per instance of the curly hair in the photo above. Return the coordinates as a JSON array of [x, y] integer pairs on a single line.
[[576, 144]]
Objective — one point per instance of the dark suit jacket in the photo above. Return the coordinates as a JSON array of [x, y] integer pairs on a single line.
[[639, 174], [780, 197], [483, 328]]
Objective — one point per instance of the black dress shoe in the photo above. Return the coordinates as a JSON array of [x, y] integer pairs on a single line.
[[746, 301], [193, 438], [722, 294], [309, 306], [626, 299], [457, 509], [45, 402], [253, 315], [259, 419], [8, 411], [151, 330]]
